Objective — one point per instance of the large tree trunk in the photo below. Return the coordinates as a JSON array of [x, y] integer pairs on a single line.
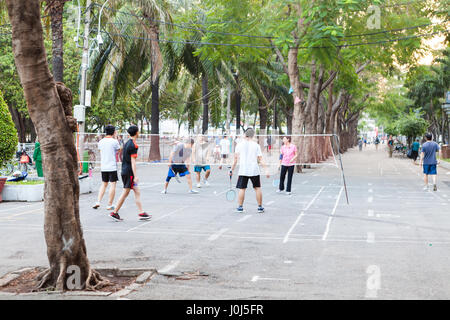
[[49, 107], [205, 103]]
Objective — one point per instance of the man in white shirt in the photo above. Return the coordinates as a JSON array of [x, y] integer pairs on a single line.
[[224, 150], [108, 147], [248, 154]]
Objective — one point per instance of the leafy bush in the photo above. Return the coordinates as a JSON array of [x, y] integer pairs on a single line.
[[412, 126], [8, 134]]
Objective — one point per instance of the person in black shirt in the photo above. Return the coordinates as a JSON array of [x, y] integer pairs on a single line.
[[129, 175]]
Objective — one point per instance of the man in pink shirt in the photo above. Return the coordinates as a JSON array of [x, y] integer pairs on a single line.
[[287, 162]]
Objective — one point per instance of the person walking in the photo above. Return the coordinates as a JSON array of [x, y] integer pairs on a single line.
[[415, 150], [201, 152], [130, 176], [429, 161], [377, 142], [360, 144], [390, 145], [287, 158], [179, 161], [248, 154], [109, 148], [37, 157]]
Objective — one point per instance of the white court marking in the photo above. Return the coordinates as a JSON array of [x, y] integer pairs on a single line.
[[170, 266], [286, 237], [373, 283], [244, 218], [305, 182], [269, 203], [327, 229], [164, 216], [370, 237], [258, 278], [370, 213], [217, 235], [370, 200], [370, 190]]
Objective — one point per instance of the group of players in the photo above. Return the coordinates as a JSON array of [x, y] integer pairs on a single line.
[[247, 155]]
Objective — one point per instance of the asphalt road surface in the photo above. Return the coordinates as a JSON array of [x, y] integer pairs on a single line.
[[392, 241]]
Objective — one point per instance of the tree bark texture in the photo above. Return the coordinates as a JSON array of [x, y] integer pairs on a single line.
[[49, 105]]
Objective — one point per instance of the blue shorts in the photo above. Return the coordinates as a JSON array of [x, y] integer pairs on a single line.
[[429, 169], [199, 168], [175, 169]]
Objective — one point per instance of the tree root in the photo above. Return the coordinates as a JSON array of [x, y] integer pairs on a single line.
[[95, 281]]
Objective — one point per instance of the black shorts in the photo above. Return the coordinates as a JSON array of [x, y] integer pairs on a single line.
[[128, 181], [109, 176], [224, 156], [243, 182]]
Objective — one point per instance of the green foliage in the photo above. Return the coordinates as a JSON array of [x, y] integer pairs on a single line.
[[412, 125], [8, 134]]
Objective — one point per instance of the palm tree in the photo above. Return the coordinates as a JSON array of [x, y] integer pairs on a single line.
[[55, 9]]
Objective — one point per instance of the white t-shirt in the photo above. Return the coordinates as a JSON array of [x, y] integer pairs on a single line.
[[225, 146], [108, 148], [248, 151]]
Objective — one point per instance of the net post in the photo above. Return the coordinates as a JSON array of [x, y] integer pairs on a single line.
[[342, 166]]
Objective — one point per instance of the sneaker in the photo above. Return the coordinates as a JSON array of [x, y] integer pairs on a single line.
[[110, 208], [288, 193], [434, 187], [425, 188], [164, 191], [178, 179], [144, 216], [193, 191], [279, 191], [96, 205], [115, 216], [206, 183], [199, 185], [240, 209], [260, 209]]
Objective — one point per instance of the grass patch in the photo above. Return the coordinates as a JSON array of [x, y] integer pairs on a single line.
[[25, 183]]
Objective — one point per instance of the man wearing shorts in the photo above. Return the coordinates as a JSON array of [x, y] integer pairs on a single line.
[[109, 147], [248, 154], [429, 161], [181, 154], [129, 176], [201, 152]]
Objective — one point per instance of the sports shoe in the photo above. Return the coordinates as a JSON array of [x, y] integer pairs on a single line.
[[178, 179], [164, 191], [193, 191], [260, 209], [115, 216], [199, 185], [288, 193], [96, 205], [425, 188], [279, 191], [434, 187], [110, 208], [240, 209], [206, 183], [144, 216]]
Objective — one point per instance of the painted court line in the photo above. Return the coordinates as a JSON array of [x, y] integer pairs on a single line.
[[217, 235], [370, 213], [332, 214], [244, 218], [269, 203], [258, 278], [170, 266], [164, 216], [370, 199], [286, 237], [370, 237]]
